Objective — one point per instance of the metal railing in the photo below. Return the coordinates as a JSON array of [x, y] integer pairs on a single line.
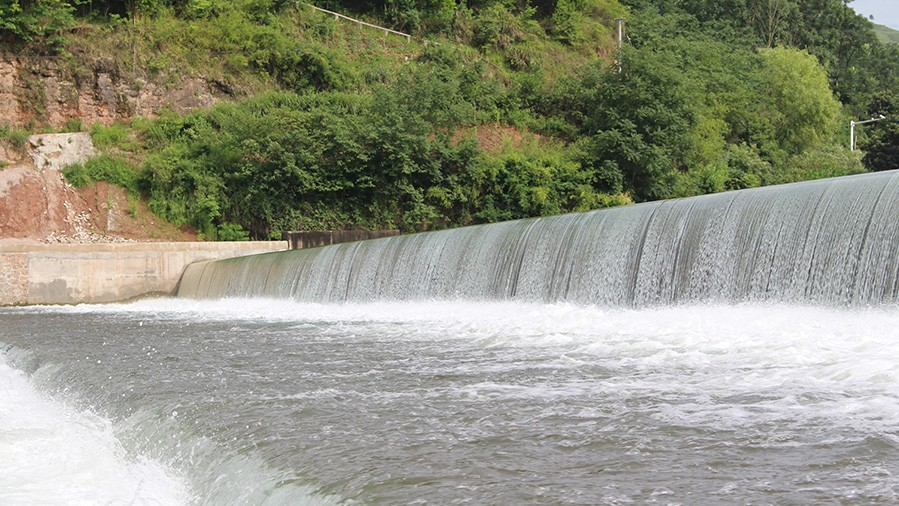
[[341, 16]]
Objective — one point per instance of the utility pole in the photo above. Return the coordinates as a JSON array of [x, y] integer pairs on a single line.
[[620, 42], [852, 129]]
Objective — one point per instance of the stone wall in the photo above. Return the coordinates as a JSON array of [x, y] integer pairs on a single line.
[[13, 278], [101, 273]]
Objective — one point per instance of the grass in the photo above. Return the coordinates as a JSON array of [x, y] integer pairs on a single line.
[[16, 138], [234, 49], [104, 168]]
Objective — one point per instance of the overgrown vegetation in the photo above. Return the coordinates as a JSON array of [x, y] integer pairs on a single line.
[[104, 168], [333, 160], [345, 127], [14, 137]]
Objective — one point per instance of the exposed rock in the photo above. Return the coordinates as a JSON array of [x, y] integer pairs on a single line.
[[9, 156], [55, 151], [37, 204], [45, 91], [42, 91], [9, 101]]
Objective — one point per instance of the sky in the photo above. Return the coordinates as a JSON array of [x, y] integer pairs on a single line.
[[886, 12]]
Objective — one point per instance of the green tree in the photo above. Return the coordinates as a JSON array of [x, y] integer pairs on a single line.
[[27, 20], [770, 19], [584, 22], [838, 36], [803, 109], [637, 124], [882, 147]]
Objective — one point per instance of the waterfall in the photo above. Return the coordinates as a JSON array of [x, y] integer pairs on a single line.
[[832, 241]]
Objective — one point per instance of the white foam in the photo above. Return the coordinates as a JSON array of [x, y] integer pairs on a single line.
[[52, 454], [822, 356]]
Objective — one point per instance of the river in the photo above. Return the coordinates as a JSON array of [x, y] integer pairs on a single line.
[[261, 401]]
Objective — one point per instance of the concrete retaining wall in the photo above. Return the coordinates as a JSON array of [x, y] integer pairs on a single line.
[[317, 238], [99, 273]]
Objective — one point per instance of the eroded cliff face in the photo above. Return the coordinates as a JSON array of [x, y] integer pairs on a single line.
[[51, 92], [35, 200], [36, 93], [38, 205], [9, 103]]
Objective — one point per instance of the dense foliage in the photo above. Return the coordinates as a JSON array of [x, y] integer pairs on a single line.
[[332, 160], [706, 96]]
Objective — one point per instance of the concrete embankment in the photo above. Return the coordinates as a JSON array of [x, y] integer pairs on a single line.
[[317, 238], [99, 273]]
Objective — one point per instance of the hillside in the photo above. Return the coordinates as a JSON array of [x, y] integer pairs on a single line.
[[886, 34], [242, 118]]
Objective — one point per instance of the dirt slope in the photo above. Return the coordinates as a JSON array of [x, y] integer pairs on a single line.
[[38, 205]]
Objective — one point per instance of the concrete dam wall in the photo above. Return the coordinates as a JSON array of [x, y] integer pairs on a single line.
[[829, 242], [100, 273]]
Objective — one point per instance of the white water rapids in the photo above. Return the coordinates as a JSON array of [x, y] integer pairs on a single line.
[[277, 402]]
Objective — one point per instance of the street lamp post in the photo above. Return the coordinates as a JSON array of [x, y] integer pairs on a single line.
[[852, 129]]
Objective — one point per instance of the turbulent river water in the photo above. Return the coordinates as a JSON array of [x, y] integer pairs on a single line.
[[261, 401]]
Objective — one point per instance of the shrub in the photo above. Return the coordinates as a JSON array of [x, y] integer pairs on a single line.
[[232, 232], [107, 168], [108, 137], [15, 137], [26, 21], [825, 161]]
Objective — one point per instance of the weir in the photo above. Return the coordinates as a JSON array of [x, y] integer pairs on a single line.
[[832, 241]]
